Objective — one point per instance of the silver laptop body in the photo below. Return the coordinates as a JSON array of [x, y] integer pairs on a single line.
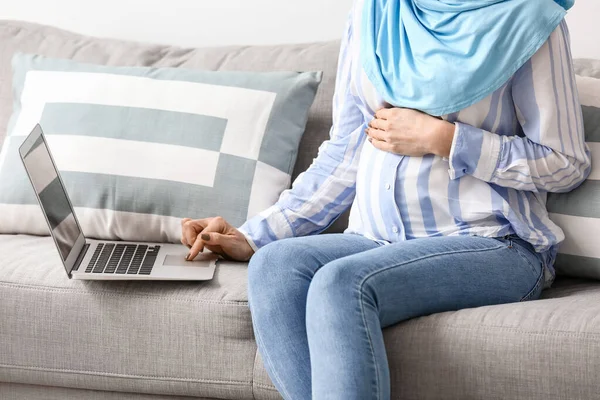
[[101, 260]]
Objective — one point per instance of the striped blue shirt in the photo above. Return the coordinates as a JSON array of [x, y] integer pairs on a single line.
[[509, 150]]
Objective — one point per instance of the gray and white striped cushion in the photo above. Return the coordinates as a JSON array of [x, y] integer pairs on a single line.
[[139, 148], [578, 212]]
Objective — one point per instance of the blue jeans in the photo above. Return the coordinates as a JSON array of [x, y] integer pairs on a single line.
[[319, 303]]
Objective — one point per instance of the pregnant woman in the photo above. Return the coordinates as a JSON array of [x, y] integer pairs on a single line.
[[452, 121]]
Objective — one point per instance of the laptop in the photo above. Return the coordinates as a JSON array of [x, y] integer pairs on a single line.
[[101, 260]]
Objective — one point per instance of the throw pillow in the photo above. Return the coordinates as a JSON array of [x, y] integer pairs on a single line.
[[139, 148], [587, 67], [578, 212]]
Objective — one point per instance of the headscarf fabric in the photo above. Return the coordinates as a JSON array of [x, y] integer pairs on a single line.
[[441, 56]]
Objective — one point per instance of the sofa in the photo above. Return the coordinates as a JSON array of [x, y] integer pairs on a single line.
[[68, 339]]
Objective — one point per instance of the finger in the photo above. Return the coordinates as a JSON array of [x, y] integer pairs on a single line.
[[183, 221], [376, 134], [215, 239], [196, 248], [381, 145], [380, 124], [183, 231], [216, 242], [214, 227], [385, 113], [202, 223], [192, 228], [190, 233]]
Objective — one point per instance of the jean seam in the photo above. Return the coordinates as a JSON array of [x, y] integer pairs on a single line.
[[260, 343], [538, 281], [362, 283], [525, 258], [362, 311], [425, 258], [360, 291], [535, 287]]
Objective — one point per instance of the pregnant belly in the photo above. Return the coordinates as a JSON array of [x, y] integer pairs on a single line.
[[433, 203]]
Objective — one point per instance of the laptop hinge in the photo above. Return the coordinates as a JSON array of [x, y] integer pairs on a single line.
[[81, 256]]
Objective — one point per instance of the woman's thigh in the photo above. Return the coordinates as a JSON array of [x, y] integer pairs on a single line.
[[273, 266], [430, 275]]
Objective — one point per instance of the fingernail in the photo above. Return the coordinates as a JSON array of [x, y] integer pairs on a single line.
[[187, 258], [205, 236]]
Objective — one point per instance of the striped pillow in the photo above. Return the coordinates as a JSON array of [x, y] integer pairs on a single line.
[[140, 148], [578, 212]]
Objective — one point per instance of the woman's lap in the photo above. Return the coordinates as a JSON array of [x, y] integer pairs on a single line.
[[443, 273], [461, 265], [313, 294]]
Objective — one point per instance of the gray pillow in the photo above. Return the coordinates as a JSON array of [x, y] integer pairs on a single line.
[[578, 212], [139, 148], [17, 36], [587, 67]]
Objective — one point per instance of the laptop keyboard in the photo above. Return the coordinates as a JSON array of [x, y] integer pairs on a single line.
[[111, 258]]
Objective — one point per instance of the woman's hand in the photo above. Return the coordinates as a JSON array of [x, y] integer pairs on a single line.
[[217, 235], [411, 133]]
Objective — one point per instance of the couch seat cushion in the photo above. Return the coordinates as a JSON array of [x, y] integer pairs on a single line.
[[179, 338], [195, 338], [544, 349]]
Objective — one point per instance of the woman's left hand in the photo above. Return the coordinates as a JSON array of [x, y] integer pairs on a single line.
[[411, 133]]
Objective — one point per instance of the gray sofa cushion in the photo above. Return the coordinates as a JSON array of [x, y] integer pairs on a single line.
[[17, 391], [52, 42], [195, 339], [128, 138], [587, 67], [176, 338]]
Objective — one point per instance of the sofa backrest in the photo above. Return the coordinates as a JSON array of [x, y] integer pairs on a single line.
[[32, 38]]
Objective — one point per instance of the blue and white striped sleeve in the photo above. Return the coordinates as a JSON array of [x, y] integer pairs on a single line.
[[327, 188], [552, 156]]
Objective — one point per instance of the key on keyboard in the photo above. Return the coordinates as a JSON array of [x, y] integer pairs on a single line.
[[149, 260], [132, 259], [104, 257], [126, 260], [137, 259], [94, 258]]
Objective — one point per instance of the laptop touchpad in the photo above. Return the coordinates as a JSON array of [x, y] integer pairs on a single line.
[[202, 260]]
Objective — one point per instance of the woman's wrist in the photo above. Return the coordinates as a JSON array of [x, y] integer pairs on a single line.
[[441, 138]]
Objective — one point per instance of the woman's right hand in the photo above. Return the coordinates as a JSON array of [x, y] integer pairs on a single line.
[[217, 235]]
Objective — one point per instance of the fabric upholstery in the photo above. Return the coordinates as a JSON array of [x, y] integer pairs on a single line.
[[543, 349], [16, 36], [578, 212], [16, 391], [195, 339], [141, 146], [178, 338], [587, 67]]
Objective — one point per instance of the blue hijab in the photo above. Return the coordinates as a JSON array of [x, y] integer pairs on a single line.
[[441, 56]]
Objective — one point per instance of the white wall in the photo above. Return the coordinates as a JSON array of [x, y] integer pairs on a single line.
[[221, 22], [584, 25], [190, 22]]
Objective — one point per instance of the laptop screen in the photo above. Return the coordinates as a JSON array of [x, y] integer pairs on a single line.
[[53, 198]]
